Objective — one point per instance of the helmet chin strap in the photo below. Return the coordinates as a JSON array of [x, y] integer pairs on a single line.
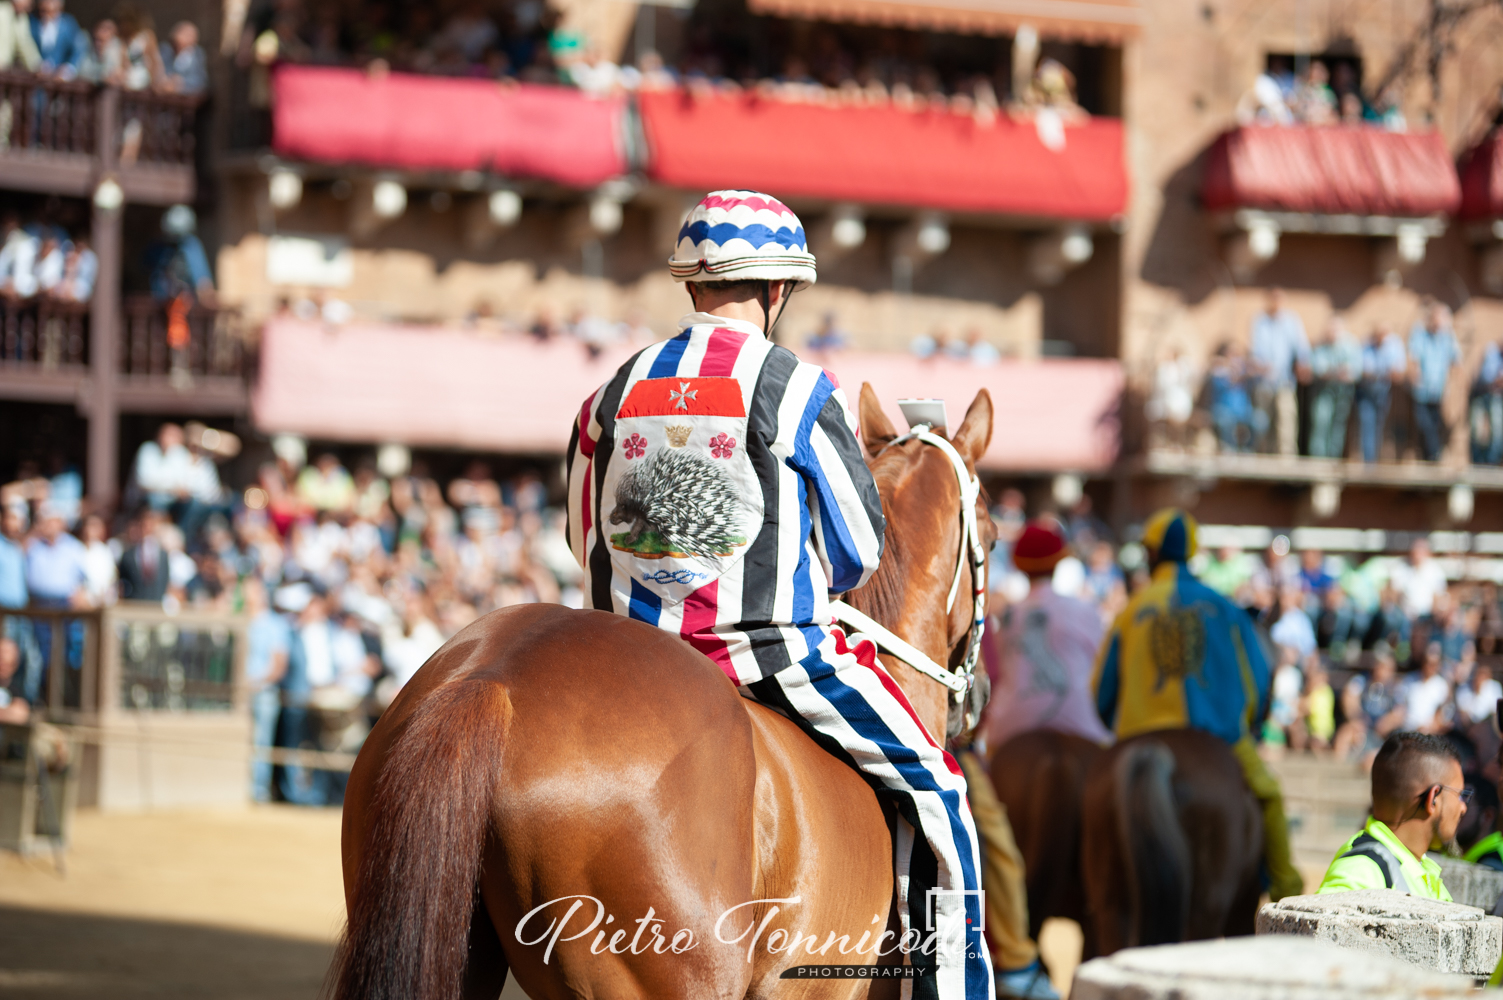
[[768, 321]]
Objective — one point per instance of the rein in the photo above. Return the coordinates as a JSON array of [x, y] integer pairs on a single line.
[[961, 680]]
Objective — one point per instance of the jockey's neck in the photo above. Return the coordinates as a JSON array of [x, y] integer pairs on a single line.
[[742, 303]]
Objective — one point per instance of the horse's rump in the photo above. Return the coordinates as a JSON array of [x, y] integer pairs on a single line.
[[1039, 777], [628, 770], [1172, 841]]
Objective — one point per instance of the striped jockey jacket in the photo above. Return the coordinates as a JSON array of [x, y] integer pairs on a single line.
[[716, 490]]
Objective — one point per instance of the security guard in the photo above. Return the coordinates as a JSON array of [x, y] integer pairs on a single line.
[[1419, 797], [1181, 656]]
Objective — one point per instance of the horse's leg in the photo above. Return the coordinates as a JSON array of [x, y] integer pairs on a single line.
[[1101, 864]]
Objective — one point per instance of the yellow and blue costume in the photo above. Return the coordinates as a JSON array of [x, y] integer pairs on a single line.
[[1181, 656]]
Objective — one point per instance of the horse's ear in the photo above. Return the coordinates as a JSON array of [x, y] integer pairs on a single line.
[[876, 429], [976, 430]]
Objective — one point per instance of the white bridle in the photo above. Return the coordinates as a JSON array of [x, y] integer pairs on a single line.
[[959, 681]]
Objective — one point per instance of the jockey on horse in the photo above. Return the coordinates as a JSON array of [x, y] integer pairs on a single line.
[[717, 491], [1181, 656]]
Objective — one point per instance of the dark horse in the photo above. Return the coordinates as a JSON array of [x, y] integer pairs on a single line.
[[1172, 841], [586, 802], [1040, 778]]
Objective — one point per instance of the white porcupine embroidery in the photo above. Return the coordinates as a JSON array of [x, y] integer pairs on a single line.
[[677, 504]]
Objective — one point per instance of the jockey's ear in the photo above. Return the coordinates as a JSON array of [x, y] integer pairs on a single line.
[[876, 429], [976, 430]]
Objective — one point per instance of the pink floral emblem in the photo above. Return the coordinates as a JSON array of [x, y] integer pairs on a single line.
[[721, 446], [634, 446]]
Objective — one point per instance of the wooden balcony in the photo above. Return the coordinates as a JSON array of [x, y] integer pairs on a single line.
[[64, 137], [45, 357]]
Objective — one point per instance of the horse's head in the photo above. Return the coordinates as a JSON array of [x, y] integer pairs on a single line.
[[922, 501]]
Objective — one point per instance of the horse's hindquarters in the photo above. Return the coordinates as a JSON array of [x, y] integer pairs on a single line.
[[637, 813], [822, 840], [1171, 841]]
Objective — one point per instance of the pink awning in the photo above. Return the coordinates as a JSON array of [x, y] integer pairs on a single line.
[[885, 155], [1482, 179], [403, 121], [1339, 170], [440, 387]]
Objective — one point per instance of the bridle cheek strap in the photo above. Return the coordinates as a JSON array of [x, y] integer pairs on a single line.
[[960, 680]]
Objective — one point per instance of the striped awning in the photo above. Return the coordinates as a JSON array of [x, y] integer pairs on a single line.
[[1101, 21]]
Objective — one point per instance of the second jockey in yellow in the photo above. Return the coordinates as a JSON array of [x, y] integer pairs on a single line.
[[1181, 656]]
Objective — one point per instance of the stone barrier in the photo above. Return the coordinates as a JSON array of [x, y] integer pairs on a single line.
[[1444, 937], [1474, 885], [1275, 967]]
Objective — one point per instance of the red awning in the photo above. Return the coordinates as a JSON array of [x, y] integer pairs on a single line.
[[884, 155], [1331, 171], [439, 387], [1482, 179], [436, 123]]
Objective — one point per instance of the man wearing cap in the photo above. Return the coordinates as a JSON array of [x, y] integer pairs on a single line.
[[717, 491], [1181, 656], [1049, 644]]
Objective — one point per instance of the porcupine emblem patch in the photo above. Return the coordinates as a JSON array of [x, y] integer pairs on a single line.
[[677, 504]]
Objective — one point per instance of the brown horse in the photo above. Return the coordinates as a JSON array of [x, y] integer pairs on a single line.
[[1172, 842], [1040, 778], [585, 801]]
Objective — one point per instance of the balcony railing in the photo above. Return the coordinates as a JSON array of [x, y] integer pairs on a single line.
[[44, 114], [45, 335], [202, 342], [158, 128], [62, 136]]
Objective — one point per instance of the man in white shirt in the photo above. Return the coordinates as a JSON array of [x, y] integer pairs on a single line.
[[1477, 699], [1425, 695], [1419, 579]]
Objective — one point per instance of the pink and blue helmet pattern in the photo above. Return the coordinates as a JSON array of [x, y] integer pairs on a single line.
[[742, 236]]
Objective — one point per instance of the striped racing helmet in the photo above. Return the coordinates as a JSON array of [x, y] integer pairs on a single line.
[[742, 236]]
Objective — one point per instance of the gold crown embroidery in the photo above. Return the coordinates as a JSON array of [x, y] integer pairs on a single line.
[[677, 436]]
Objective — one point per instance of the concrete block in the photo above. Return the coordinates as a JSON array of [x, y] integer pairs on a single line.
[[1444, 937], [1276, 967], [1474, 885]]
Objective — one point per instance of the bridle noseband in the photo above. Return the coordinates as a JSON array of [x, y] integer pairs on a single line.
[[962, 679]]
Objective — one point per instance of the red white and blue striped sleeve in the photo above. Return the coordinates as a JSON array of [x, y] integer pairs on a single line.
[[844, 505], [579, 473]]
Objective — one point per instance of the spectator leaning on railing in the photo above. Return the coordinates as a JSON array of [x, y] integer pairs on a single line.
[[61, 43], [1432, 355], [1487, 407], [1336, 363], [1384, 363], [1279, 357]]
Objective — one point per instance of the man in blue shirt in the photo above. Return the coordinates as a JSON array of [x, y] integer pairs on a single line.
[[1383, 363], [62, 43], [56, 578], [1432, 355], [1280, 355], [267, 641], [1487, 407], [13, 595]]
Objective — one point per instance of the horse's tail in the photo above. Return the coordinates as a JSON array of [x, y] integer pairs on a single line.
[[1155, 851], [409, 921]]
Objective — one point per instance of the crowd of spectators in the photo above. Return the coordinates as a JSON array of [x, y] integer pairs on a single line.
[[1324, 92], [122, 50], [42, 260], [351, 579], [1284, 395], [1360, 646], [527, 41]]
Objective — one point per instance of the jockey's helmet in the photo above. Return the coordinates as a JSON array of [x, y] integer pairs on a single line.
[[742, 236], [1040, 547], [1171, 535]]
